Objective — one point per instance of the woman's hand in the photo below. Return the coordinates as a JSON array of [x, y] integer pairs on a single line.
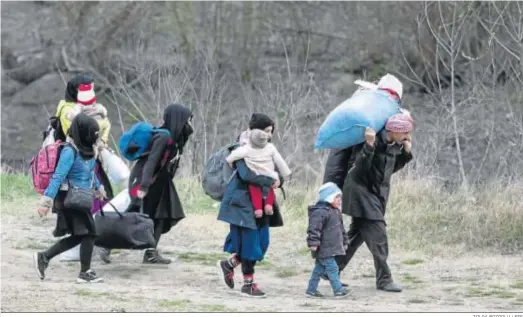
[[43, 211], [44, 205], [276, 184], [101, 145], [140, 194], [100, 194]]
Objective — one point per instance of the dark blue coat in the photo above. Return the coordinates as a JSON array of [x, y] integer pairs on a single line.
[[236, 207]]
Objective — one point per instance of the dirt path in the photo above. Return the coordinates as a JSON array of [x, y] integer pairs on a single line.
[[476, 282]]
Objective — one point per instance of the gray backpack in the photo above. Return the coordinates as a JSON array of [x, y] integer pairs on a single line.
[[217, 173]]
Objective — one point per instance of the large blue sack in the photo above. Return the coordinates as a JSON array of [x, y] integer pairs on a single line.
[[135, 142], [345, 125]]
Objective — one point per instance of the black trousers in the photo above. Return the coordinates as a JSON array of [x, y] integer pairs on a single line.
[[374, 234]]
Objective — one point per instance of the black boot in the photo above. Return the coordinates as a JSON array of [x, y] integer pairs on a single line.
[[151, 256], [226, 271], [251, 289]]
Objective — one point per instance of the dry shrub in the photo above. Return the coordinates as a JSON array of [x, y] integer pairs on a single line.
[[422, 214]]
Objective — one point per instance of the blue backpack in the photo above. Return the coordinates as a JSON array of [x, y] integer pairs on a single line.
[[135, 142]]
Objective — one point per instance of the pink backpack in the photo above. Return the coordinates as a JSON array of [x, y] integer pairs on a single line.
[[43, 165]]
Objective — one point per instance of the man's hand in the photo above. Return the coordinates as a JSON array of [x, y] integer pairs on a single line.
[[407, 145], [314, 248], [276, 184], [370, 136], [345, 247]]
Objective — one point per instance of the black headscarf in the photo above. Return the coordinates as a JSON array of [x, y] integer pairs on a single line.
[[261, 122], [71, 90], [176, 120], [84, 131]]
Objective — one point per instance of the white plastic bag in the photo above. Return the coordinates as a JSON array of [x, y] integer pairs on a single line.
[[71, 254], [121, 202], [115, 167]]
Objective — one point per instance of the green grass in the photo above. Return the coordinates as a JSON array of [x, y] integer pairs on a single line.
[[186, 305], [416, 301], [493, 292], [201, 258], [89, 293], [175, 304], [16, 186], [286, 272], [518, 301], [213, 308], [305, 251], [412, 261], [407, 278], [504, 294], [477, 292], [517, 285]]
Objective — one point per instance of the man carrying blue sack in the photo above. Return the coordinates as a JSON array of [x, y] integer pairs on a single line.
[[364, 172]]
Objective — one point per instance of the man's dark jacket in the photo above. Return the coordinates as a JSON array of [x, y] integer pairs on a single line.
[[364, 172]]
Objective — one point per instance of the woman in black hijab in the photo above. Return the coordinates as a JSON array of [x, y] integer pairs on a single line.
[[75, 168], [151, 180], [249, 237]]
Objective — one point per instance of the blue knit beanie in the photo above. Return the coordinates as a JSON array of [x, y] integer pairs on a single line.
[[328, 192]]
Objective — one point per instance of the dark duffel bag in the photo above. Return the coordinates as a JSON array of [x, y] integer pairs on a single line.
[[128, 230]]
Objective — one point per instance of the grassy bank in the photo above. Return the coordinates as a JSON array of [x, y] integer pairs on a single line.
[[420, 216]]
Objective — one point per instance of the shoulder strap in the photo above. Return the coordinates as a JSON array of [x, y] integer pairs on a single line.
[[67, 144]]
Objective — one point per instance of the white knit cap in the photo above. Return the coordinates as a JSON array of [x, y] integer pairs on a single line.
[[86, 95], [391, 82]]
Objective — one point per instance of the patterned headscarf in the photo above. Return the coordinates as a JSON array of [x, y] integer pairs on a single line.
[[401, 122]]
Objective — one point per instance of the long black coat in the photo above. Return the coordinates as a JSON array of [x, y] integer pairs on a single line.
[[366, 186], [162, 200]]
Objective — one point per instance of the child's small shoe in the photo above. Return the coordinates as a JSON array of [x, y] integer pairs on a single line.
[[342, 293], [314, 295], [258, 213], [269, 210]]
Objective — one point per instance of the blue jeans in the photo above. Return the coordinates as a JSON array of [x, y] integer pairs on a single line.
[[326, 266]]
